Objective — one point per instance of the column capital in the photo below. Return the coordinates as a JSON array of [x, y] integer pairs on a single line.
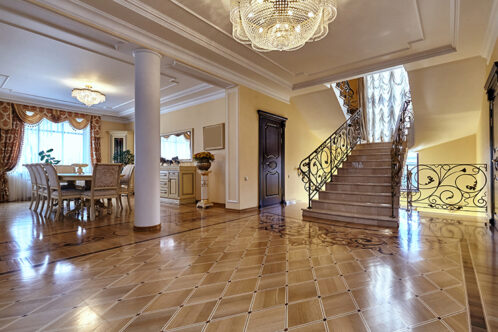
[[145, 50]]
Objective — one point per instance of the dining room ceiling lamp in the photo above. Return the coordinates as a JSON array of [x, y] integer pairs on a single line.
[[283, 25], [88, 96]]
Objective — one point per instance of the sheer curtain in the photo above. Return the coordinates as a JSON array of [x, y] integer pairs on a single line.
[[70, 146], [175, 146], [385, 94]]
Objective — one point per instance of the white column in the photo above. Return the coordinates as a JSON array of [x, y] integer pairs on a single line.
[[147, 140]]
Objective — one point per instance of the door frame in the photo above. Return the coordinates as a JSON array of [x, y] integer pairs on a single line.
[[491, 91], [283, 121]]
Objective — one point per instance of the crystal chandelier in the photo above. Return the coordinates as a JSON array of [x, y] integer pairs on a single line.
[[283, 25], [88, 96]]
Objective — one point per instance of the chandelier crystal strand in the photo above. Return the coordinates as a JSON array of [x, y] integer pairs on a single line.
[[283, 25], [88, 96]]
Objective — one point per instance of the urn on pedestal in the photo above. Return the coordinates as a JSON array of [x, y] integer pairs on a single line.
[[203, 163]]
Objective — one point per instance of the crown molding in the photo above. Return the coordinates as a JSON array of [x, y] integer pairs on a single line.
[[376, 67], [170, 23], [87, 14], [187, 103], [20, 98], [491, 34]]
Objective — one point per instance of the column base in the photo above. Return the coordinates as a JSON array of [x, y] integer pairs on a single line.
[[204, 203], [155, 228]]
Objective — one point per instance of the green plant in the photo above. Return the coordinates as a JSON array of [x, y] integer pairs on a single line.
[[124, 157], [47, 157], [202, 156]]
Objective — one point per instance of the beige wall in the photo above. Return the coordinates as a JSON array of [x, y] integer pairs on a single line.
[[459, 151], [299, 142], [447, 101], [197, 117], [105, 142]]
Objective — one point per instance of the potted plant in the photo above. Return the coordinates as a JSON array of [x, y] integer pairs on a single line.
[[124, 157], [203, 160], [47, 157]]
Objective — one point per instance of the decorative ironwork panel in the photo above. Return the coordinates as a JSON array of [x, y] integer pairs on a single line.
[[317, 169], [457, 187], [399, 148]]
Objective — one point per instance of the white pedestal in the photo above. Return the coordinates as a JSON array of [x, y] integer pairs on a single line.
[[204, 202]]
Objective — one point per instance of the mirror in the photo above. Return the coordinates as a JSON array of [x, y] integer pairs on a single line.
[[177, 144]]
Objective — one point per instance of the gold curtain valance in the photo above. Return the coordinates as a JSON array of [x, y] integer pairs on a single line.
[[34, 114], [186, 134]]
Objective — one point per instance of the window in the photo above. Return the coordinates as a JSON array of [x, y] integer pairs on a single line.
[[70, 146], [411, 165], [177, 145]]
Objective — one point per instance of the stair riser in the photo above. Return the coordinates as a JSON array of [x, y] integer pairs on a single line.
[[357, 209], [310, 215], [364, 171], [369, 157], [332, 186], [361, 179], [374, 145], [366, 164], [356, 198], [371, 151]]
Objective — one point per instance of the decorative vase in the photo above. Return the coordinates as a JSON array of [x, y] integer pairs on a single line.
[[203, 165]]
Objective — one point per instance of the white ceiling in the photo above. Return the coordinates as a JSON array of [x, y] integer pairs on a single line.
[[366, 36], [45, 55]]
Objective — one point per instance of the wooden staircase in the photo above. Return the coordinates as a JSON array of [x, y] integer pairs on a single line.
[[361, 191]]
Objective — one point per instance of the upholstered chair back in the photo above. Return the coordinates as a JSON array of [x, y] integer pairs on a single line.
[[53, 179], [32, 175], [41, 177], [106, 176], [127, 174]]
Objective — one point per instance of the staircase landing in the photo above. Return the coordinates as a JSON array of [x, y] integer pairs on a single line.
[[360, 192]]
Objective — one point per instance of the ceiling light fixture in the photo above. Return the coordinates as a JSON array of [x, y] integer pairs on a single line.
[[283, 25], [88, 96]]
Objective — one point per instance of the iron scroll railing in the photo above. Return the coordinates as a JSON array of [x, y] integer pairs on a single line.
[[316, 169], [399, 150], [453, 187]]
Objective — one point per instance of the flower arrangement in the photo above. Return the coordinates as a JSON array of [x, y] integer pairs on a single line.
[[204, 156]]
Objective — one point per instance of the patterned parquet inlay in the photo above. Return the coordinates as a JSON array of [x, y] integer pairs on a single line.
[[215, 270]]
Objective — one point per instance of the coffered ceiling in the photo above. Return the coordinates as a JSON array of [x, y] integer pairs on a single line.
[[366, 36]]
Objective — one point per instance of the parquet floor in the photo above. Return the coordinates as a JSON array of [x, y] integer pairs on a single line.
[[215, 270]]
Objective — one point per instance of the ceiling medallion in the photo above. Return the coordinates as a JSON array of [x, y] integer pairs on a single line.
[[88, 96], [283, 25]]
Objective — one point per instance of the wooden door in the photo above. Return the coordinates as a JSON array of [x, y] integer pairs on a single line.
[[491, 91], [271, 159]]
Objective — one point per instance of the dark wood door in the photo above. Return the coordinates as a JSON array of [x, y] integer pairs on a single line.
[[271, 159], [491, 91]]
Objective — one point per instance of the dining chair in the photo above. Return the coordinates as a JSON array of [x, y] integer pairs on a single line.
[[126, 184], [34, 185], [42, 183], [105, 185], [57, 193]]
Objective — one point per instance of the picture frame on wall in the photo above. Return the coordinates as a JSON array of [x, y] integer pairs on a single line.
[[214, 137]]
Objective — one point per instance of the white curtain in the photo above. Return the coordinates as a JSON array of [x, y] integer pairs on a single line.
[[70, 146], [175, 146], [385, 95]]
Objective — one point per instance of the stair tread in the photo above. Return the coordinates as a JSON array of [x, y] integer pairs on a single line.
[[352, 215], [374, 175], [361, 183], [355, 193], [353, 203]]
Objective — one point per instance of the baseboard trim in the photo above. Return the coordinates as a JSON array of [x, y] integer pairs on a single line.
[[155, 228]]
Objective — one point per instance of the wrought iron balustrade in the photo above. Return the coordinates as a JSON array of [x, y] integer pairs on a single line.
[[316, 169], [456, 187], [349, 99], [399, 149]]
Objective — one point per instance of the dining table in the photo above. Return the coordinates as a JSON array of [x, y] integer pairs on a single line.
[[72, 178]]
